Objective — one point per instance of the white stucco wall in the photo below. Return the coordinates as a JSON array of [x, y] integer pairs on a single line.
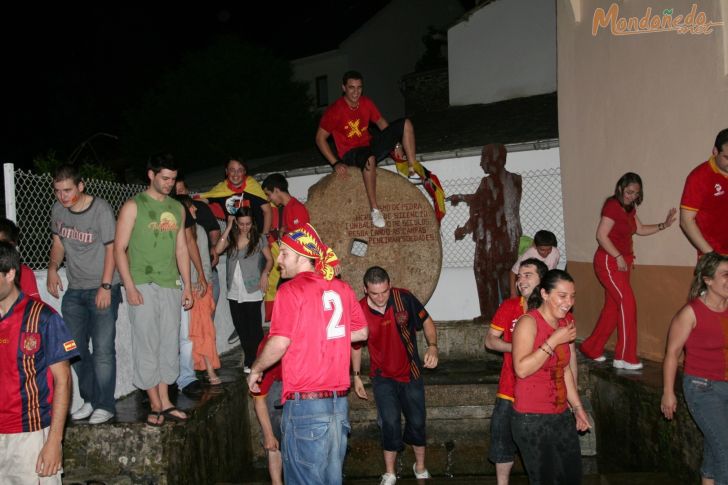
[[504, 50], [331, 64], [383, 50]]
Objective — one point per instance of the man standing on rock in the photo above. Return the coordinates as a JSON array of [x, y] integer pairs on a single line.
[[35, 382], [315, 319], [394, 316]]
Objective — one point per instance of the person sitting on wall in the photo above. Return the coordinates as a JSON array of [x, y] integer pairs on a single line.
[[347, 120]]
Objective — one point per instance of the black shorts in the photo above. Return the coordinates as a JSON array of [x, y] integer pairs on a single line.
[[382, 144]]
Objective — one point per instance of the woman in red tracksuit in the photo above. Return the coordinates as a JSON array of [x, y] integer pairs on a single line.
[[613, 266]]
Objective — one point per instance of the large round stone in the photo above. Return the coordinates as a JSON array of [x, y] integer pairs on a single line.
[[408, 247]]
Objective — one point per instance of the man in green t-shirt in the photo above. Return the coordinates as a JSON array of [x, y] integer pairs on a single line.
[[152, 258]]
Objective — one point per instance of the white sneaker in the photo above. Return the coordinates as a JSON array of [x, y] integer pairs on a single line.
[[377, 218], [100, 416], [83, 412], [388, 479], [424, 474], [623, 364], [601, 358]]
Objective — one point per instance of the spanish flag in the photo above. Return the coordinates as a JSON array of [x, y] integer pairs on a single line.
[[429, 180]]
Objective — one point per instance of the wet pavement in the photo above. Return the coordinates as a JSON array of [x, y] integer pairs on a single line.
[[609, 479]]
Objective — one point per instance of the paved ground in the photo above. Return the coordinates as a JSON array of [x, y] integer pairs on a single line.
[[612, 479]]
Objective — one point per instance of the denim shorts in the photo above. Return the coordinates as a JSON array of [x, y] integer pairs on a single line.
[[502, 446], [708, 404], [393, 399]]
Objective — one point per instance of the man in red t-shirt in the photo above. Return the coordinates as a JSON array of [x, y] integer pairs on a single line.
[[394, 316], [347, 119], [704, 202], [315, 319], [499, 338], [288, 214], [291, 213], [9, 232]]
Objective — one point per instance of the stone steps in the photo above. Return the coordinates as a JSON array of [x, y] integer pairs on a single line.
[[459, 401]]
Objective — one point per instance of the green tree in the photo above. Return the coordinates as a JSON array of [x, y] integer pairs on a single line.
[[229, 99], [48, 162]]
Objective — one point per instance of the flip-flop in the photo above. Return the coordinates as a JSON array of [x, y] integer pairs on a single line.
[[156, 415], [167, 413]]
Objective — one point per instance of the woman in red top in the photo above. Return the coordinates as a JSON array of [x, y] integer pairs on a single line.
[[542, 426], [613, 266], [701, 328]]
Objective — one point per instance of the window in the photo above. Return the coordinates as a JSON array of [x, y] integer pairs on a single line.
[[322, 91]]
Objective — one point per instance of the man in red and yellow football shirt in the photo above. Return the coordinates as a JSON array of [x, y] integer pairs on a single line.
[[499, 338], [704, 202]]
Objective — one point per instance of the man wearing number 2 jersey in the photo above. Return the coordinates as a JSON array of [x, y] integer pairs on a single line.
[[315, 319]]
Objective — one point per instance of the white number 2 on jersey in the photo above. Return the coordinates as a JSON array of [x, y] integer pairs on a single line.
[[332, 301]]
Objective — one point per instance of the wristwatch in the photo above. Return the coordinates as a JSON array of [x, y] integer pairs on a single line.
[[106, 286]]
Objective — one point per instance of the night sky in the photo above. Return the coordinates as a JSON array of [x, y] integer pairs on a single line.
[[70, 71]]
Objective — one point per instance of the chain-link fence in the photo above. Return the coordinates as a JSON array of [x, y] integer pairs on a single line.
[[540, 209], [33, 201]]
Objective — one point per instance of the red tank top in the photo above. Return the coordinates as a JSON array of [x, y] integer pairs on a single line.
[[706, 350], [544, 391]]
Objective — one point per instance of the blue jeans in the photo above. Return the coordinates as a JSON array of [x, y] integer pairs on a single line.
[[315, 433], [394, 399], [708, 404], [502, 447], [96, 372]]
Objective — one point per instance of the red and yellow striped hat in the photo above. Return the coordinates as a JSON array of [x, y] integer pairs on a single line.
[[305, 241]]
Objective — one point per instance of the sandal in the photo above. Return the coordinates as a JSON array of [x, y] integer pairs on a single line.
[[153, 419], [169, 413]]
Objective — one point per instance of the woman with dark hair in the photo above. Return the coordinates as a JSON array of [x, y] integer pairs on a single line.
[[249, 263], [542, 426], [701, 329], [613, 266]]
